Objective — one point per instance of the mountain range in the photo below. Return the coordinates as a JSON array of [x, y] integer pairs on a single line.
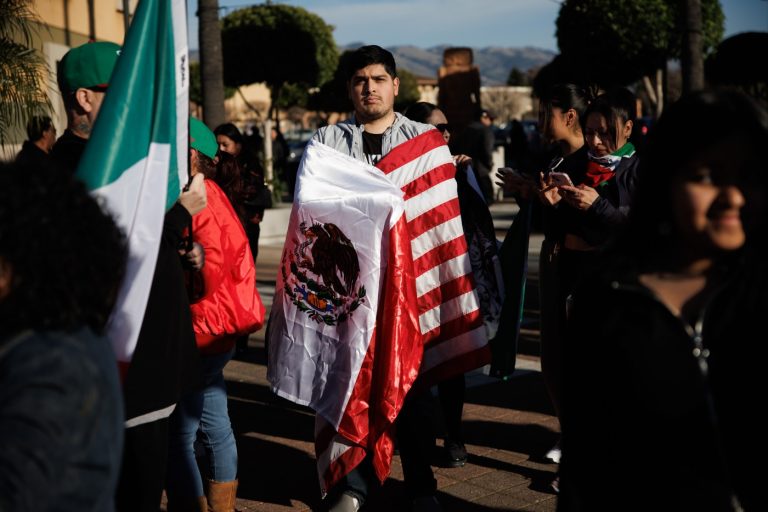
[[494, 62]]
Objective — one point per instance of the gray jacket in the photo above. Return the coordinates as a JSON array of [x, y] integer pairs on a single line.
[[347, 136]]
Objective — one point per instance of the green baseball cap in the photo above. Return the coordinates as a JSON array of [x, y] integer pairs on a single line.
[[89, 65], [202, 138]]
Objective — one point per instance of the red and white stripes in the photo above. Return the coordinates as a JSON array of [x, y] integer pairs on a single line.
[[449, 311]]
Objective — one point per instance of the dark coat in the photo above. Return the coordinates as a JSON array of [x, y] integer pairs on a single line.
[[68, 150], [32, 155], [643, 427], [61, 422], [601, 222]]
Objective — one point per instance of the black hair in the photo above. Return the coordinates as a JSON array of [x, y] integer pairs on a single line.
[[420, 111], [686, 129], [36, 126], [366, 56], [66, 255], [248, 158], [231, 131], [617, 106], [566, 97]]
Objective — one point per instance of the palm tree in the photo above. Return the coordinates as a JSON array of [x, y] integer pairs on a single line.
[[211, 63], [692, 54], [24, 75]]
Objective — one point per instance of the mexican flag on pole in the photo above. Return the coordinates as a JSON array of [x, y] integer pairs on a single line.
[[136, 158]]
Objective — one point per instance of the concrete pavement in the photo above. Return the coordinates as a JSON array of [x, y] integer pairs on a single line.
[[509, 425]]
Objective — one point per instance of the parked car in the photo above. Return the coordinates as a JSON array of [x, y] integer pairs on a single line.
[[296, 141]]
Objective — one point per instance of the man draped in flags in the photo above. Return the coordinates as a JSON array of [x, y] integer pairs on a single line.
[[345, 349], [134, 121]]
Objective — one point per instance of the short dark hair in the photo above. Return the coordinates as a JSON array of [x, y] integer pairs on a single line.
[[37, 125], [47, 212], [366, 56]]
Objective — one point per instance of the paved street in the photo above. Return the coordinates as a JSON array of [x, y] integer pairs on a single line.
[[508, 424]]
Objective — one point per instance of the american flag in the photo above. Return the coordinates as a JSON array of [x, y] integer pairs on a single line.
[[451, 323]]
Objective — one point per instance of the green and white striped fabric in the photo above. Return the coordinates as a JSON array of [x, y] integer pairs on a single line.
[[136, 158]]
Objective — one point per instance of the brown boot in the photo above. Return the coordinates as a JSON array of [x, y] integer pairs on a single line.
[[221, 496], [188, 504]]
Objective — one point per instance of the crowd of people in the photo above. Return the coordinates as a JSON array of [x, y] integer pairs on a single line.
[[653, 284]]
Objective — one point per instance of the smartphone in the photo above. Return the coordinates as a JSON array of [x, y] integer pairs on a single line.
[[554, 164], [560, 178]]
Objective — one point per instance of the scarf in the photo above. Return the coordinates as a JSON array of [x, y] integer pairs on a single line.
[[601, 169]]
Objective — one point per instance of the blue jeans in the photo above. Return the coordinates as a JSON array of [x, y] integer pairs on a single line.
[[202, 416]]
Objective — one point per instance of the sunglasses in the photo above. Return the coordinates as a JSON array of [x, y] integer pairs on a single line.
[[442, 127]]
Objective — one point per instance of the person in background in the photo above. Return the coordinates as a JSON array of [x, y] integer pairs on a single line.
[[229, 307], [83, 77], [41, 136], [279, 157], [580, 220], [483, 254], [253, 203], [662, 361], [253, 196], [165, 362], [561, 111], [477, 142], [61, 407]]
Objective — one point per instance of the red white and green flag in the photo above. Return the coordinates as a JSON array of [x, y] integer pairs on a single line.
[[136, 158]]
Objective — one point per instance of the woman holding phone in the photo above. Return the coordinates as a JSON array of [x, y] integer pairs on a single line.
[[580, 218]]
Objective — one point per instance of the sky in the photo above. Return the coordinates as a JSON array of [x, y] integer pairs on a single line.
[[473, 23]]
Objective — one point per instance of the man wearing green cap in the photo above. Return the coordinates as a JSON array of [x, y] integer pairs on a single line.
[[83, 76]]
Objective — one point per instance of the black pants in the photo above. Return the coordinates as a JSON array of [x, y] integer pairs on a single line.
[[145, 461], [451, 393], [252, 231], [415, 440]]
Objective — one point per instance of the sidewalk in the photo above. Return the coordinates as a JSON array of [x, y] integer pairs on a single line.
[[508, 425]]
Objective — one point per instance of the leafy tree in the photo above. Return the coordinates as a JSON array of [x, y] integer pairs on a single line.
[[408, 92], [517, 77], [277, 44], [332, 96], [196, 88], [293, 95], [24, 75], [616, 42], [733, 65]]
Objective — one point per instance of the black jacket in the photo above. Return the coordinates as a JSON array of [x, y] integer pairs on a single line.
[[68, 150], [643, 428], [601, 222], [32, 155]]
